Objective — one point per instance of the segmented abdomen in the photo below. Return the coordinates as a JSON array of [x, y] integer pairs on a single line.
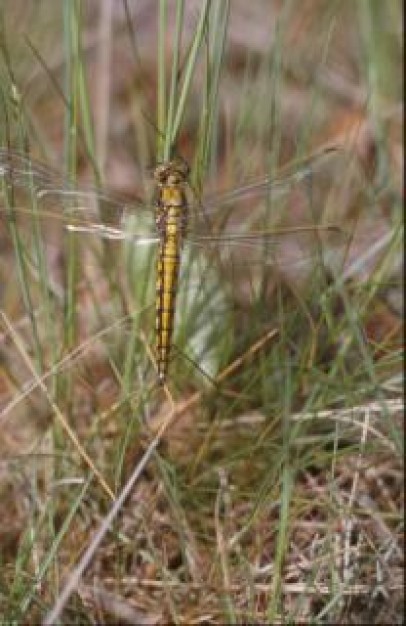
[[171, 224], [166, 287]]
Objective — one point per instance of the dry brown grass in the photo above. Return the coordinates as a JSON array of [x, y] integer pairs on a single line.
[[277, 497]]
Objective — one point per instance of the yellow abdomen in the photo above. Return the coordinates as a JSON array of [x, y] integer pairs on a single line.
[[171, 224]]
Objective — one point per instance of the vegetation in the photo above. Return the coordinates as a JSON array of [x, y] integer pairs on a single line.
[[263, 483]]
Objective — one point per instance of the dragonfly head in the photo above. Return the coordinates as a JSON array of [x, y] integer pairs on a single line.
[[172, 173]]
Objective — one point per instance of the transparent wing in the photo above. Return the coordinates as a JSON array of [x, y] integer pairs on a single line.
[[279, 222], [30, 187], [288, 178], [244, 225]]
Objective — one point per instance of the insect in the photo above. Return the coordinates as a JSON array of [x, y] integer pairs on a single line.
[[171, 222], [215, 224]]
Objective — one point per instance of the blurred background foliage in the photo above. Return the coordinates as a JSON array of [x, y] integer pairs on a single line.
[[252, 511]]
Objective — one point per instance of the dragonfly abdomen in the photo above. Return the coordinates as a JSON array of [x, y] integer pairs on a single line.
[[167, 282], [171, 223]]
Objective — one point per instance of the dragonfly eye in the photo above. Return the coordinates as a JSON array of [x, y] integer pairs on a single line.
[[160, 174], [174, 172], [181, 167]]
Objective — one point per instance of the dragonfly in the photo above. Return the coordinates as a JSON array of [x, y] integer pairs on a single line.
[[236, 220]]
